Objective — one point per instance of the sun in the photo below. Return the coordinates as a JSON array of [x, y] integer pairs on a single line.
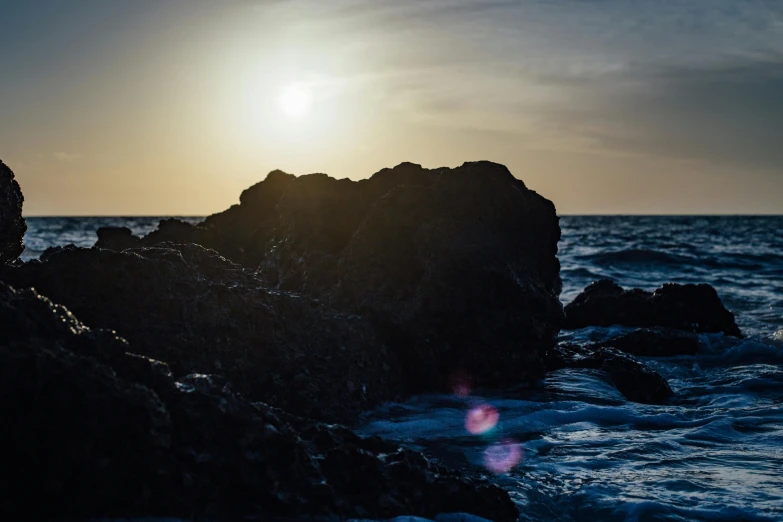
[[295, 100]]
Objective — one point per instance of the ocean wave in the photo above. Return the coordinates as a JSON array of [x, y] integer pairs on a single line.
[[635, 256], [651, 257], [580, 273], [591, 455], [638, 511]]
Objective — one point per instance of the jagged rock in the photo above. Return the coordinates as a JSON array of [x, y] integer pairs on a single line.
[[636, 381], [693, 308], [12, 224], [69, 422], [242, 232], [95, 431], [656, 342], [456, 268], [117, 238], [175, 230], [203, 314], [464, 270]]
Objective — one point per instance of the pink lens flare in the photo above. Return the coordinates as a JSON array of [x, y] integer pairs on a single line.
[[503, 457], [481, 419]]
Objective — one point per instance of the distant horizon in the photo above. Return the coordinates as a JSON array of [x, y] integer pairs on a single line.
[[55, 216]]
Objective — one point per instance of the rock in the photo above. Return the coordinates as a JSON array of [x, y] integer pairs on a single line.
[[201, 313], [99, 432], [455, 268], [636, 381], [12, 224], [175, 230], [241, 233], [77, 435], [117, 238], [693, 308], [463, 270], [656, 342]]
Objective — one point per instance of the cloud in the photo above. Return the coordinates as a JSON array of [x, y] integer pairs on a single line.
[[676, 80], [68, 157], [728, 112]]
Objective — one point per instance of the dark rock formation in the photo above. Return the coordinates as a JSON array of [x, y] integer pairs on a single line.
[[693, 308], [93, 430], [464, 268], [12, 225], [456, 268], [172, 229], [117, 238], [202, 313], [656, 342], [636, 381]]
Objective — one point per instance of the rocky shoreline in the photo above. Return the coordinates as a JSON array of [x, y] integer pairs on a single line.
[[213, 359]]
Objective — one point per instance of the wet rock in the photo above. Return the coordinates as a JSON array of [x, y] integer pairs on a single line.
[[693, 308], [117, 238], [12, 224], [636, 381], [455, 268], [656, 342], [69, 422], [203, 314], [96, 431]]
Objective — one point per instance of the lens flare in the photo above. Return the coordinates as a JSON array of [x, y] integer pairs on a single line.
[[481, 419], [503, 457]]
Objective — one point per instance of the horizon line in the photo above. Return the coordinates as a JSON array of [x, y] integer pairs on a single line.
[[565, 214]]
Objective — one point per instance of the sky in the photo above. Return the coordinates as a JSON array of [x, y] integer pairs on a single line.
[[173, 107]]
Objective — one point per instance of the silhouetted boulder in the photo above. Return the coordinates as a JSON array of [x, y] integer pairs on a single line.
[[636, 381], [241, 233], [173, 230], [116, 238], [316, 218], [12, 224], [463, 270], [456, 268], [693, 308], [92, 430]]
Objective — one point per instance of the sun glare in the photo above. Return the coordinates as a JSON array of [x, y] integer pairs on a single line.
[[295, 101]]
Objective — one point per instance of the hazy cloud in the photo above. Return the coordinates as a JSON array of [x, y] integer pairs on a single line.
[[731, 112], [682, 79]]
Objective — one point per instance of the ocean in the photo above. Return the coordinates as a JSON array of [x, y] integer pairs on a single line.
[[574, 448]]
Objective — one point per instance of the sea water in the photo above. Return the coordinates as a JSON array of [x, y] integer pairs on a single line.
[[575, 449]]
